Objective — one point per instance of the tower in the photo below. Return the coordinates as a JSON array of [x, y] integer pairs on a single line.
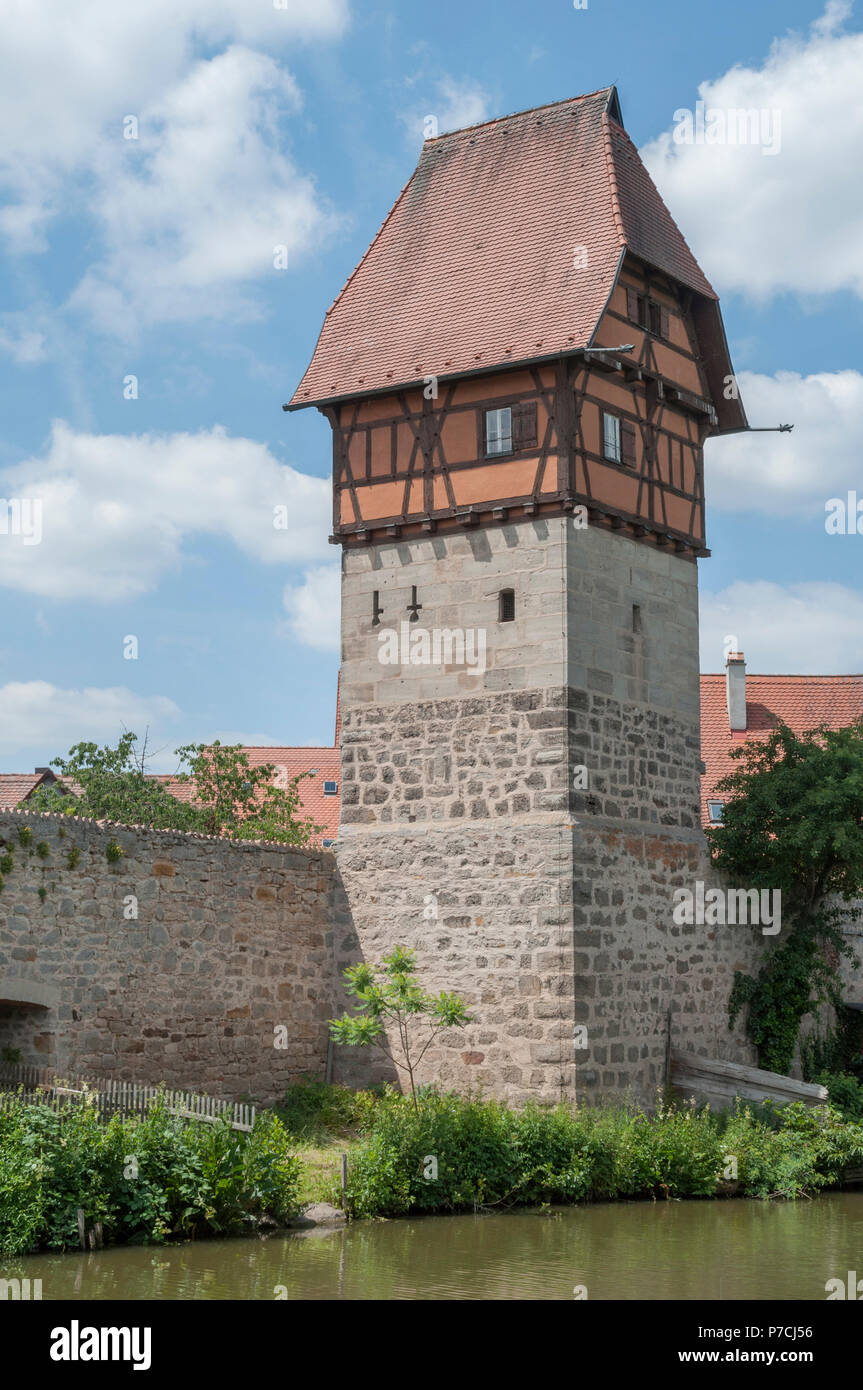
[[520, 375]]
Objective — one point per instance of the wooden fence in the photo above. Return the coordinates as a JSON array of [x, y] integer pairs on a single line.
[[42, 1085], [718, 1083]]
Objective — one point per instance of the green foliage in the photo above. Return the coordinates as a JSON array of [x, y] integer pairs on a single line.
[[43, 893], [488, 1155], [314, 1111], [113, 852], [7, 863], [25, 835], [43, 849], [72, 857], [793, 822], [228, 796], [845, 1092], [10, 1054], [146, 1179], [391, 994]]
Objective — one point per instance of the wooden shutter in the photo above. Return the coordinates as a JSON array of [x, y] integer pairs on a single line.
[[627, 443], [632, 306], [524, 425], [663, 323]]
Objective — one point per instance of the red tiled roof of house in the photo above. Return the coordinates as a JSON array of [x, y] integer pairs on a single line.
[[322, 809], [801, 702], [474, 266], [17, 786]]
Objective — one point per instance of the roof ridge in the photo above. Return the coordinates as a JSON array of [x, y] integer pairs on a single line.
[[527, 111], [784, 676]]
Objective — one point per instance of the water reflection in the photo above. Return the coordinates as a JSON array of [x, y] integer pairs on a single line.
[[675, 1250]]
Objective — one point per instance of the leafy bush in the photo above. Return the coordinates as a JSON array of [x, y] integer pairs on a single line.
[[146, 1179], [487, 1155], [314, 1110], [845, 1092]]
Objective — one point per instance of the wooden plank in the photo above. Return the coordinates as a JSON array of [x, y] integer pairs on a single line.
[[719, 1082]]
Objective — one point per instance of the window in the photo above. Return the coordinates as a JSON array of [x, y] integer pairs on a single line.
[[714, 812], [498, 431], [510, 428], [506, 606], [647, 313], [327, 843], [611, 436], [618, 439], [331, 788]]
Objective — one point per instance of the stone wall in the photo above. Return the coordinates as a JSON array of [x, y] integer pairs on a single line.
[[177, 963], [524, 826]]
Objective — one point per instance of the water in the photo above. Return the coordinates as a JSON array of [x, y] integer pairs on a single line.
[[644, 1250]]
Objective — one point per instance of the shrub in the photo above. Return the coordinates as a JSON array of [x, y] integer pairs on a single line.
[[314, 1110], [145, 1179]]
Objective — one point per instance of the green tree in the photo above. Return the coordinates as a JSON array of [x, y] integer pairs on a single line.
[[396, 1002], [227, 796], [794, 821]]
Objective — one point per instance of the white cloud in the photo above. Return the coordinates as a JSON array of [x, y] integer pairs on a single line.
[[460, 103], [790, 221], [455, 103], [23, 343], [197, 207], [206, 129], [35, 714], [118, 510], [314, 608], [790, 474], [803, 629]]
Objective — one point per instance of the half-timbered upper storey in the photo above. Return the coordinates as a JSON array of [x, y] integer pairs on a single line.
[[528, 332]]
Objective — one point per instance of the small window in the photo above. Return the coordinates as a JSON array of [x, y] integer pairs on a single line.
[[498, 431], [327, 843], [611, 437], [714, 812], [506, 606], [331, 789]]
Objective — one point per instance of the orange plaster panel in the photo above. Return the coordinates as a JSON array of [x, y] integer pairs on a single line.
[[458, 437], [513, 479]]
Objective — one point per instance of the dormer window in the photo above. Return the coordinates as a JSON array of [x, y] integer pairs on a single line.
[[714, 812], [331, 789]]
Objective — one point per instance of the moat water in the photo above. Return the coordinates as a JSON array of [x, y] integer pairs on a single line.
[[665, 1250]]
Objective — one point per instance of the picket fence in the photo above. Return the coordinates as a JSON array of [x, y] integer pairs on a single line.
[[41, 1085]]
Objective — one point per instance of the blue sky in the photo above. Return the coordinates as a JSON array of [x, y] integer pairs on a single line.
[[296, 126]]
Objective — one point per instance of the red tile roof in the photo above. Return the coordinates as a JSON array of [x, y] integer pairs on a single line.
[[801, 702], [17, 786], [323, 810], [474, 266]]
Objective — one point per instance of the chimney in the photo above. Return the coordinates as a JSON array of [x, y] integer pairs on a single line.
[[735, 690]]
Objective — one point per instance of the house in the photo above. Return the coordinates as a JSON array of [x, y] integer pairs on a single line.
[[736, 707], [16, 787]]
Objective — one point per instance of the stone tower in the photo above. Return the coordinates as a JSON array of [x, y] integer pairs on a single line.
[[520, 375]]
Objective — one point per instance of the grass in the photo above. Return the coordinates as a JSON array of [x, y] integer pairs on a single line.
[[324, 1122]]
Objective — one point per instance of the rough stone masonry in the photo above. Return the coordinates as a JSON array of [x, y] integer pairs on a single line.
[[523, 827], [182, 961]]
